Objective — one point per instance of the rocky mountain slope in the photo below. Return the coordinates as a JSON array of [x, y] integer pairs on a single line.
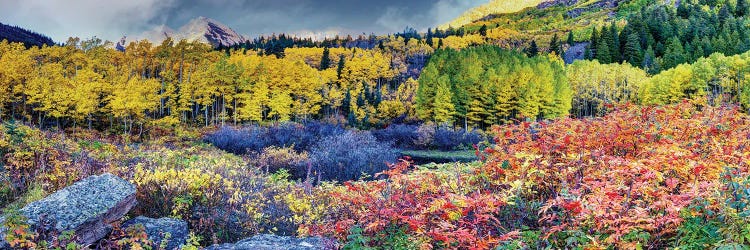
[[211, 31], [201, 29]]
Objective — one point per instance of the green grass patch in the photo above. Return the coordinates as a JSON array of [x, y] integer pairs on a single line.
[[436, 156]]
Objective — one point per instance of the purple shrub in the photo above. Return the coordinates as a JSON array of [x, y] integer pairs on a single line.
[[347, 156], [400, 135], [273, 159], [236, 141], [447, 139], [428, 137], [256, 138]]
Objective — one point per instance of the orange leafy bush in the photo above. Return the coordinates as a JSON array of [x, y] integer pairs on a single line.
[[436, 209], [610, 180], [631, 171]]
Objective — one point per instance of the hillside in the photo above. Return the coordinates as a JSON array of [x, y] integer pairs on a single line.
[[27, 37], [550, 18], [493, 7]]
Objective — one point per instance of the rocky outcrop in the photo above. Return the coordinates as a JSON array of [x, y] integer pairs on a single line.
[[601, 4], [273, 242], [165, 231], [550, 3], [86, 207], [575, 52]]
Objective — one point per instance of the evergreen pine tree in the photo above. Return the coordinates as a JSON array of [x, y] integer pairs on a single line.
[[614, 46], [594, 42], [340, 68], [683, 11], [698, 51], [325, 61], [633, 53], [533, 50], [649, 61], [707, 46], [602, 48], [429, 37], [674, 54], [659, 49], [688, 52], [571, 41], [483, 30], [554, 44], [346, 103], [741, 8], [352, 119], [624, 34], [724, 14]]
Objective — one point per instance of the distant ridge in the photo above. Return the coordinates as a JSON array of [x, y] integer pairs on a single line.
[[21, 35]]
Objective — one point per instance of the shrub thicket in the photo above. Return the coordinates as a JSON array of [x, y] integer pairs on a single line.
[[428, 137], [257, 138], [351, 155], [335, 154]]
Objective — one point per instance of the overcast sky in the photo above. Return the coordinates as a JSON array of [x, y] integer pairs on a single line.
[[111, 20]]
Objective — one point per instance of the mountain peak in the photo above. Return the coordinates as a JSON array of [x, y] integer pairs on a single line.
[[203, 29], [202, 20], [211, 31]]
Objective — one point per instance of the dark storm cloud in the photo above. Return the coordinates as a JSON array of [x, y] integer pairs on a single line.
[[112, 19]]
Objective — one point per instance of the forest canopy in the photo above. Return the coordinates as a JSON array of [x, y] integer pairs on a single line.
[[181, 83]]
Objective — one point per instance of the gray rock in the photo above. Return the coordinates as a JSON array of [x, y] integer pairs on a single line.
[[575, 52], [87, 207], [600, 4], [273, 242], [550, 3], [157, 230]]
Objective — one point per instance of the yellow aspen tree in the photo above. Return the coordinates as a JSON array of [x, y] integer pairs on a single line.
[[280, 105], [444, 109]]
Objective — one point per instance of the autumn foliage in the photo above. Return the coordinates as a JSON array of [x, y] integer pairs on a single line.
[[634, 170], [629, 179]]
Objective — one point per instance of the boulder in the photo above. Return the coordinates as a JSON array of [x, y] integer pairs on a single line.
[[273, 242], [87, 207], [172, 232]]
